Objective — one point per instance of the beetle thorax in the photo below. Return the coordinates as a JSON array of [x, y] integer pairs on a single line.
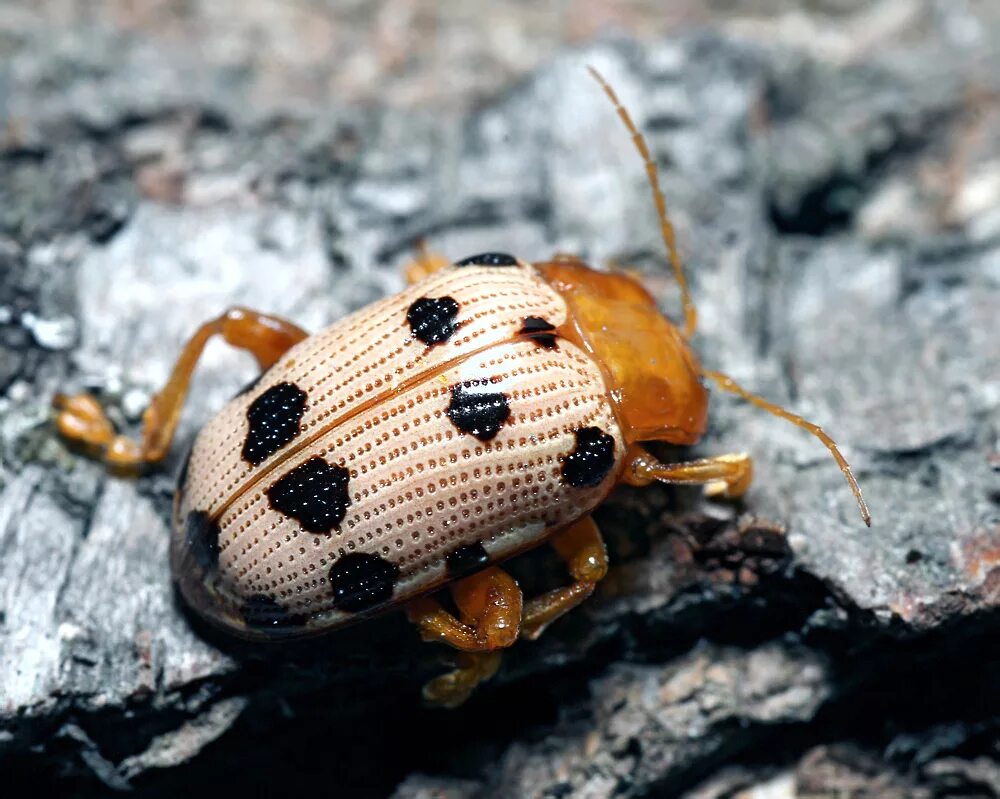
[[652, 374]]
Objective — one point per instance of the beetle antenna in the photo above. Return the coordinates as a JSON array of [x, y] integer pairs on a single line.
[[726, 383], [666, 228]]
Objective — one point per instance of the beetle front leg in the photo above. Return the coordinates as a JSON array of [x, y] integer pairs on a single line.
[[582, 549], [722, 475], [489, 604], [81, 418]]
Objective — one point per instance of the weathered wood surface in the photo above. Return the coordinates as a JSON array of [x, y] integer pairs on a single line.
[[839, 216]]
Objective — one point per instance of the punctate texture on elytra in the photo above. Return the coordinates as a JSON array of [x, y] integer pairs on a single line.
[[417, 441]]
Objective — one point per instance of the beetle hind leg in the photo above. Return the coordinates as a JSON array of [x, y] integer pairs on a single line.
[[81, 419], [489, 604], [582, 549]]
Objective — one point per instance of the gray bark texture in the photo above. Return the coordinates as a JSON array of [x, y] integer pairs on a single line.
[[833, 173]]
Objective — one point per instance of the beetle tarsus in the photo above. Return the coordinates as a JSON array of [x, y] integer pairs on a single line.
[[82, 420], [453, 688], [728, 476]]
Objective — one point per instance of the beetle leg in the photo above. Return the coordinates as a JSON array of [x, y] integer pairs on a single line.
[[426, 263], [722, 475], [489, 604], [581, 547], [81, 419], [452, 688]]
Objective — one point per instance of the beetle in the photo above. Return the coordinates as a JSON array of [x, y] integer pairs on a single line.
[[422, 440]]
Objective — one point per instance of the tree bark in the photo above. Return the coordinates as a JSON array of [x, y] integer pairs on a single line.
[[837, 211]]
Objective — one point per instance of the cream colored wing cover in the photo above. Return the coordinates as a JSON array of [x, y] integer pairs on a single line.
[[385, 464]]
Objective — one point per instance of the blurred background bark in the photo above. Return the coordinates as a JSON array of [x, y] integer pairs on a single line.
[[833, 169]]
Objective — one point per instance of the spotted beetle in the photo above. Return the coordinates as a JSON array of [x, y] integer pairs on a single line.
[[482, 411]]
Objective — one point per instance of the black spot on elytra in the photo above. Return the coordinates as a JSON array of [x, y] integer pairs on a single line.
[[314, 493], [535, 324], [466, 560], [201, 535], [479, 413], [488, 259], [360, 580], [591, 459], [433, 320], [540, 331], [274, 421], [262, 612]]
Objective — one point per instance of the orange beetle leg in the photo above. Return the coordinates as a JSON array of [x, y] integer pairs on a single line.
[[454, 687], [489, 604], [723, 475], [81, 420], [582, 549], [426, 263]]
